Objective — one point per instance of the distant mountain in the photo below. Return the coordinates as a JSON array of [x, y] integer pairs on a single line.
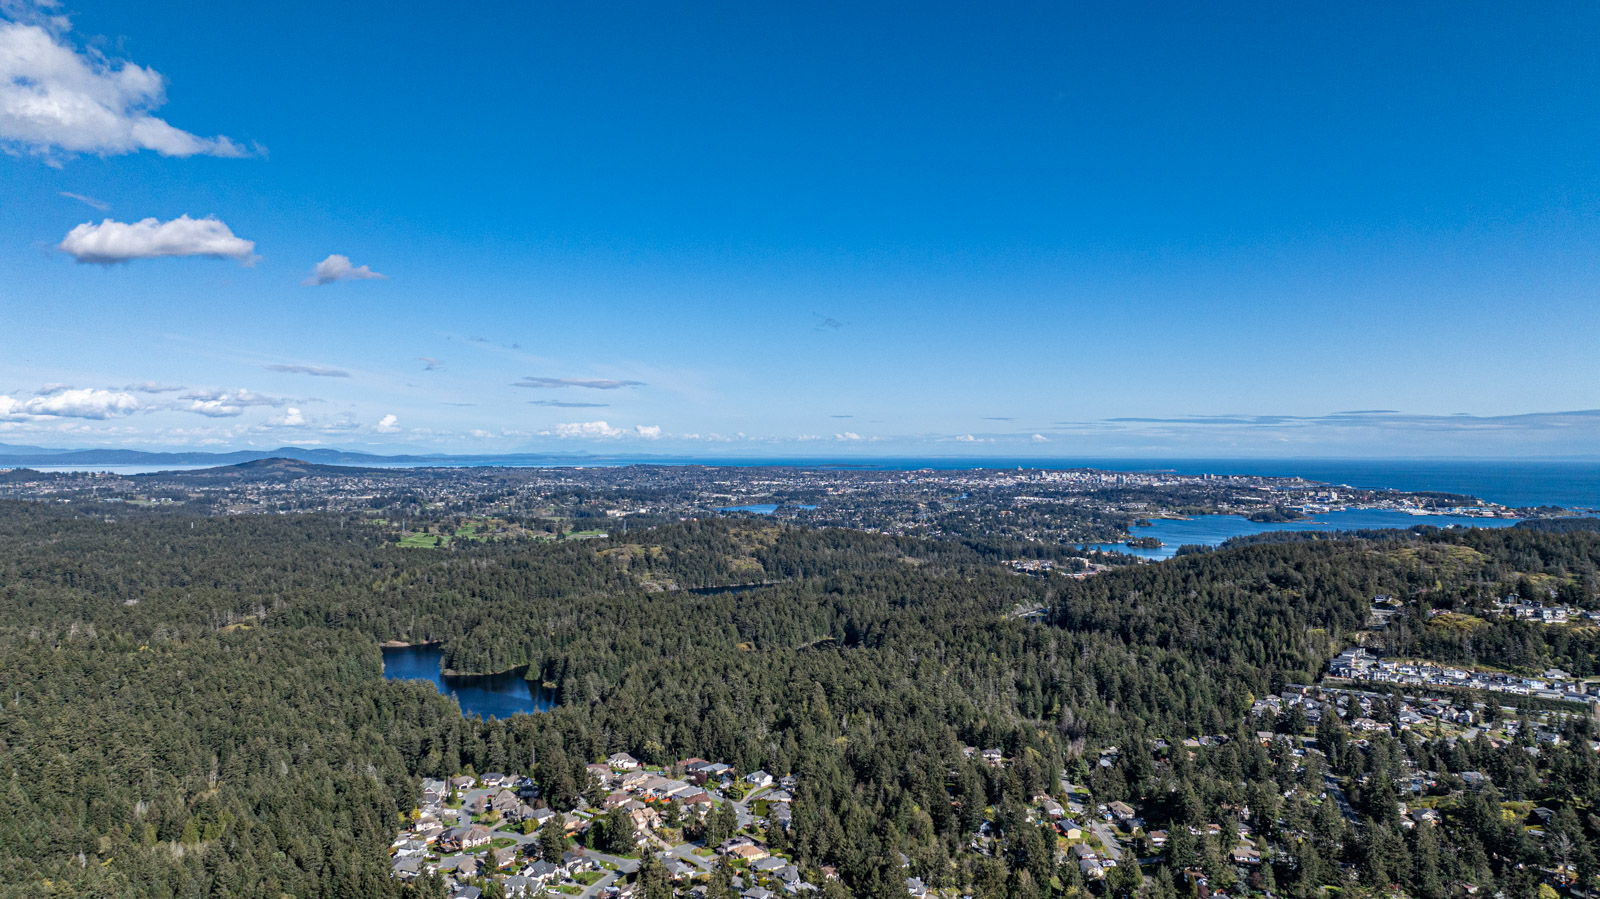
[[276, 469], [13, 449], [23, 456]]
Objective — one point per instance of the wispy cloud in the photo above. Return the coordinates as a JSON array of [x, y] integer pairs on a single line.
[[111, 242], [91, 202], [59, 100], [338, 268], [431, 364], [494, 343], [590, 383], [1384, 419], [316, 371]]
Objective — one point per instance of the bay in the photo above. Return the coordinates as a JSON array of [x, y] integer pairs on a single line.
[[1212, 530]]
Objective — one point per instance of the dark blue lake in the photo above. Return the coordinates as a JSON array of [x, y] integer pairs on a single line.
[[761, 508], [487, 696], [1210, 530]]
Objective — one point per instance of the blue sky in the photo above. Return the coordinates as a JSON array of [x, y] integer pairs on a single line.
[[832, 229]]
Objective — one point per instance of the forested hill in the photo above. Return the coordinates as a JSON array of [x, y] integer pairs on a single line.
[[193, 706]]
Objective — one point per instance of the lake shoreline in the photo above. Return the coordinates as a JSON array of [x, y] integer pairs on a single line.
[[490, 696]]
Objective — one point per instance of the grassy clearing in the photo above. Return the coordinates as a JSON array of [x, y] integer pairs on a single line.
[[424, 541]]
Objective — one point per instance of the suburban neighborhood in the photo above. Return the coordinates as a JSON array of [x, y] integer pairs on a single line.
[[494, 834]]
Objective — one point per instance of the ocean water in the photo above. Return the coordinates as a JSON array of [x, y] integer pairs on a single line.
[[1212, 530], [487, 696]]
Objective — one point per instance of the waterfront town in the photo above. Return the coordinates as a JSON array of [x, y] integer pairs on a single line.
[[1065, 506]]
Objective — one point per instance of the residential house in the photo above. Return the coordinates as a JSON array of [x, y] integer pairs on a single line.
[[464, 836], [680, 870], [1124, 815], [407, 867], [768, 865], [1245, 854], [542, 873]]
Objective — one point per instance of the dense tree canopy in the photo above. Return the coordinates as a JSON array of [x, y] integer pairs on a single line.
[[193, 706]]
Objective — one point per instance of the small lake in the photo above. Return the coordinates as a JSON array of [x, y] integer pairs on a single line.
[[487, 696], [763, 508], [1211, 530], [729, 588]]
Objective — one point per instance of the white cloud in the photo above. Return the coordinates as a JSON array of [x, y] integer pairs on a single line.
[[213, 409], [589, 429], [57, 100], [338, 268], [225, 403], [111, 241], [648, 432], [71, 402], [292, 418], [1039, 438], [388, 424], [848, 436]]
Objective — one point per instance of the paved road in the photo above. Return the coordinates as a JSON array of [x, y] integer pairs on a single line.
[[593, 889], [1109, 839], [624, 866], [1331, 785], [685, 852]]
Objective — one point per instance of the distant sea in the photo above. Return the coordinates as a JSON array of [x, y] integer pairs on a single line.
[[1574, 485]]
